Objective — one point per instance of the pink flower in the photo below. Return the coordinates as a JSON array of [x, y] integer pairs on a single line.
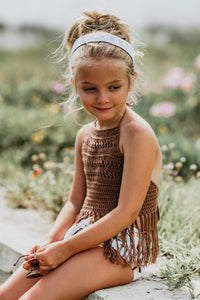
[[166, 109], [173, 78], [58, 88], [197, 62], [187, 82]]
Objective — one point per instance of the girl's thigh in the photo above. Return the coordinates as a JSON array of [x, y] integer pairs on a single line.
[[79, 276]]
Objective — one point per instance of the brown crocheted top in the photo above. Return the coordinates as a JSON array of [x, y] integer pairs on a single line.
[[103, 167]]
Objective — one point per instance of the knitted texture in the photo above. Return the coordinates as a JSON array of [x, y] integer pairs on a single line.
[[103, 167]]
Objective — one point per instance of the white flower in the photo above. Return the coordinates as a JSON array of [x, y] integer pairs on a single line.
[[35, 167], [164, 148], [169, 166], [193, 167], [183, 159]]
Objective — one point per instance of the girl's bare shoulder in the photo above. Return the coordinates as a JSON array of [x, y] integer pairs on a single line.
[[134, 124], [82, 132]]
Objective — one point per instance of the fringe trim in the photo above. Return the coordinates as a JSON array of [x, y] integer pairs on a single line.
[[147, 249]]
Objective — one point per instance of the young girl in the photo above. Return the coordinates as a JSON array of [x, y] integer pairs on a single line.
[[107, 230]]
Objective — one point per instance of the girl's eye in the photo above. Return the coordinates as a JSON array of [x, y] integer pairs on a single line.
[[115, 87], [89, 89]]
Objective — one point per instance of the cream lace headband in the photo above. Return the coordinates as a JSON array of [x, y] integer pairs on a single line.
[[106, 37]]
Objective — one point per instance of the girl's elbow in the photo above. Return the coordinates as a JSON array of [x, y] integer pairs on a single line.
[[129, 215]]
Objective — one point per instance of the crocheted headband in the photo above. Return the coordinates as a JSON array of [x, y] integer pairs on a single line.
[[101, 36]]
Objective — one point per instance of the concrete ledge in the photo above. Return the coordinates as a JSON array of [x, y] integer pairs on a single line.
[[7, 257], [20, 229]]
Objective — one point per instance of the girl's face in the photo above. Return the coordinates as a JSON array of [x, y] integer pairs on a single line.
[[103, 87]]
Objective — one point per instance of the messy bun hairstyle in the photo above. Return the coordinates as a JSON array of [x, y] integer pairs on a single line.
[[90, 22]]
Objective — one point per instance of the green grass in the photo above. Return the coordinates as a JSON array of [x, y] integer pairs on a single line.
[[179, 232]]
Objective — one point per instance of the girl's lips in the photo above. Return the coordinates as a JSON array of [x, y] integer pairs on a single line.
[[103, 108]]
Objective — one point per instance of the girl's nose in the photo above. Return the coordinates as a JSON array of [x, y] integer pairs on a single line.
[[102, 97]]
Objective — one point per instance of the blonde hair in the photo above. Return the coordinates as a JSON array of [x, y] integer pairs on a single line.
[[90, 22]]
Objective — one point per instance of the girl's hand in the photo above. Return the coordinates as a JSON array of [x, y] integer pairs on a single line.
[[51, 255]]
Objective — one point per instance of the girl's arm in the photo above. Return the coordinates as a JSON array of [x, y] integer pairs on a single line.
[[72, 207], [140, 148]]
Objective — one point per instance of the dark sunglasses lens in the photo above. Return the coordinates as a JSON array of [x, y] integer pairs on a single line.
[[33, 274], [31, 263], [34, 263]]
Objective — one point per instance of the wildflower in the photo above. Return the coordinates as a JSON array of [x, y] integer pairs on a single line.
[[52, 108], [198, 174], [193, 167], [183, 159], [35, 173], [70, 149], [178, 165], [58, 88], [42, 156], [48, 165], [36, 98], [178, 179], [35, 167], [34, 157], [197, 62], [164, 148], [187, 82], [163, 129], [38, 137], [165, 109], [173, 78], [172, 145], [169, 166]]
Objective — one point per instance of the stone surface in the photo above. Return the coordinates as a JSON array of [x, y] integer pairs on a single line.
[[20, 229], [3, 276]]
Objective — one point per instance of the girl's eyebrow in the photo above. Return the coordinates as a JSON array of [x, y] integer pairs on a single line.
[[111, 82]]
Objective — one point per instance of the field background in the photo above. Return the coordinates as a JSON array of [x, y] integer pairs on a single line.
[[37, 136]]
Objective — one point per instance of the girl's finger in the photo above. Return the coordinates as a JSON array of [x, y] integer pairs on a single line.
[[45, 268], [27, 257]]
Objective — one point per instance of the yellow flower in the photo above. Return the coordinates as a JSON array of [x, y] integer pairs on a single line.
[[178, 165], [34, 157], [163, 129], [178, 179], [35, 98], [52, 108], [42, 156], [37, 137], [198, 174]]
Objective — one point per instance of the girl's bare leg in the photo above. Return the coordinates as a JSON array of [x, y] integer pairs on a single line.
[[16, 285], [79, 276]]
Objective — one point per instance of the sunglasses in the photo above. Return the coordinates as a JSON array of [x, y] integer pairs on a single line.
[[32, 265]]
